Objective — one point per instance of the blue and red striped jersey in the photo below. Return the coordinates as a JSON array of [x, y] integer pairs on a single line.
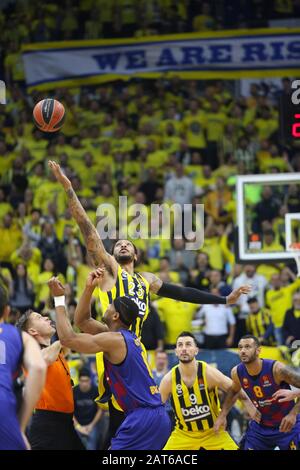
[[260, 389], [11, 352], [131, 382]]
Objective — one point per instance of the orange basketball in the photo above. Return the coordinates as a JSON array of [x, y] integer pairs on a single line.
[[49, 115]]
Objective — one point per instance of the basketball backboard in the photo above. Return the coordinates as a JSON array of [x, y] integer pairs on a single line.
[[251, 244]]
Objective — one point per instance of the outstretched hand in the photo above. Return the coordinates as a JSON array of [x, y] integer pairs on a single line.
[[56, 287], [94, 278], [59, 175], [236, 293]]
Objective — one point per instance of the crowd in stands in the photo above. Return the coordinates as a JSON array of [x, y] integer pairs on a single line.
[[152, 141], [28, 21], [92, 19]]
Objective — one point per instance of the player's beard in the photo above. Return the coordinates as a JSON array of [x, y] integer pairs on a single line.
[[186, 361], [124, 259], [250, 359]]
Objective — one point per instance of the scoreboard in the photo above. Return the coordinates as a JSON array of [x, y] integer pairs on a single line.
[[289, 115]]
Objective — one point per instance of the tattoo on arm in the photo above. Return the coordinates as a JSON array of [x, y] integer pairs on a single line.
[[289, 375], [93, 242], [296, 408], [154, 281]]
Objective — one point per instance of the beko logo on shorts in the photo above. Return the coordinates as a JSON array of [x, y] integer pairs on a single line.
[[196, 411]]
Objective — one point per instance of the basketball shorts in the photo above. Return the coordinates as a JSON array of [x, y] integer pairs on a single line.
[[200, 440], [52, 430], [260, 437], [143, 429]]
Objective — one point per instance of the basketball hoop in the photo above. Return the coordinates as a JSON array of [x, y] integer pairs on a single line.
[[295, 249]]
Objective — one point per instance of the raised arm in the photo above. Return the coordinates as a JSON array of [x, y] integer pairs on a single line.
[[83, 318], [93, 242], [112, 344], [36, 367], [50, 354], [189, 294]]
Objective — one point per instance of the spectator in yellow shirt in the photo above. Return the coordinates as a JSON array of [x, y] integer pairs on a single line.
[[280, 162], [204, 22], [266, 123], [270, 243], [36, 176], [259, 322], [10, 236], [216, 200], [5, 207], [176, 316], [29, 256], [279, 300], [207, 181], [215, 126], [199, 276], [50, 191], [212, 247], [194, 125], [42, 289], [171, 142]]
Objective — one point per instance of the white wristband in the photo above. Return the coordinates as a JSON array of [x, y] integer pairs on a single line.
[[60, 301]]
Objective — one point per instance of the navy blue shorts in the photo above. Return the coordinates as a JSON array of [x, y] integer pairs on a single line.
[[259, 437], [10, 433], [143, 429]]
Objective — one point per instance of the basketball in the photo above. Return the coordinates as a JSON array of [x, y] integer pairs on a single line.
[[49, 115]]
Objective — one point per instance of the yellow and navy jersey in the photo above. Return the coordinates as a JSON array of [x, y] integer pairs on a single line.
[[134, 286], [196, 408]]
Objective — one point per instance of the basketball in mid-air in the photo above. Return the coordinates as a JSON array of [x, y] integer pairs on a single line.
[[49, 115]]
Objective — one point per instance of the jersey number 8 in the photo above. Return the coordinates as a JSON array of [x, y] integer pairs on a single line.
[[258, 391]]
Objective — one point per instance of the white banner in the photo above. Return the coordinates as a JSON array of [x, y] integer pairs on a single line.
[[222, 54]]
